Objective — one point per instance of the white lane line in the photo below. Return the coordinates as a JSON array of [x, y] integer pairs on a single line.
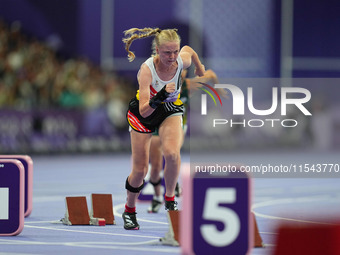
[[100, 245], [91, 232], [160, 249], [15, 253], [43, 221], [20, 242], [289, 201], [291, 219]]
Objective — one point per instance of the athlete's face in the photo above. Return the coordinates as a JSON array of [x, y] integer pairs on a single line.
[[168, 52]]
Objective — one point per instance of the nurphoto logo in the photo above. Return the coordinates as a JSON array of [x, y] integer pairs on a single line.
[[295, 96]]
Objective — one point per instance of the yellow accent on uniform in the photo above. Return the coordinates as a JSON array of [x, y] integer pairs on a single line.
[[177, 102]]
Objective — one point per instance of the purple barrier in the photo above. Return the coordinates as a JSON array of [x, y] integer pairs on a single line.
[[11, 197], [27, 163], [58, 131]]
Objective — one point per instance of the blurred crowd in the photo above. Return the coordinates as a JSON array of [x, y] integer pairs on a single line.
[[34, 76]]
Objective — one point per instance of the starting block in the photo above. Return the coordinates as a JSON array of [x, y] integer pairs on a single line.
[[172, 237], [101, 211], [28, 179], [312, 239], [78, 214], [12, 197], [76, 211], [102, 207]]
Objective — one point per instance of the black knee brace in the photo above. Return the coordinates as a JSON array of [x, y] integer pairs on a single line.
[[156, 183], [132, 189]]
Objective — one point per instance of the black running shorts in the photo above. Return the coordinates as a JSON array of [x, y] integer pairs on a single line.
[[153, 121]]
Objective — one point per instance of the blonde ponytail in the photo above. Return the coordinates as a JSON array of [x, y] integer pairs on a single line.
[[136, 33]]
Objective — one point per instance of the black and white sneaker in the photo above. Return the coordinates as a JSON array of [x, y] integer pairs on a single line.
[[155, 206], [171, 206], [130, 221]]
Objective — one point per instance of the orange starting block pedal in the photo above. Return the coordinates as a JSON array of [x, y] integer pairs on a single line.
[[172, 237], [102, 207], [77, 213]]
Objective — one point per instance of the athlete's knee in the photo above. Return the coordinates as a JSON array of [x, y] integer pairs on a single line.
[[137, 175], [140, 166], [172, 156]]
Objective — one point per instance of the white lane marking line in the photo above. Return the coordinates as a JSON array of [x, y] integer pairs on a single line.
[[101, 245], [289, 201], [291, 219], [20, 242], [161, 249], [43, 221], [91, 232], [15, 253], [113, 243], [60, 223]]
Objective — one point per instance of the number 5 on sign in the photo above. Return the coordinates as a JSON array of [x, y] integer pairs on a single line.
[[216, 214]]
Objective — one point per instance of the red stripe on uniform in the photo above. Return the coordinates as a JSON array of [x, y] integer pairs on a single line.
[[136, 124], [153, 92]]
